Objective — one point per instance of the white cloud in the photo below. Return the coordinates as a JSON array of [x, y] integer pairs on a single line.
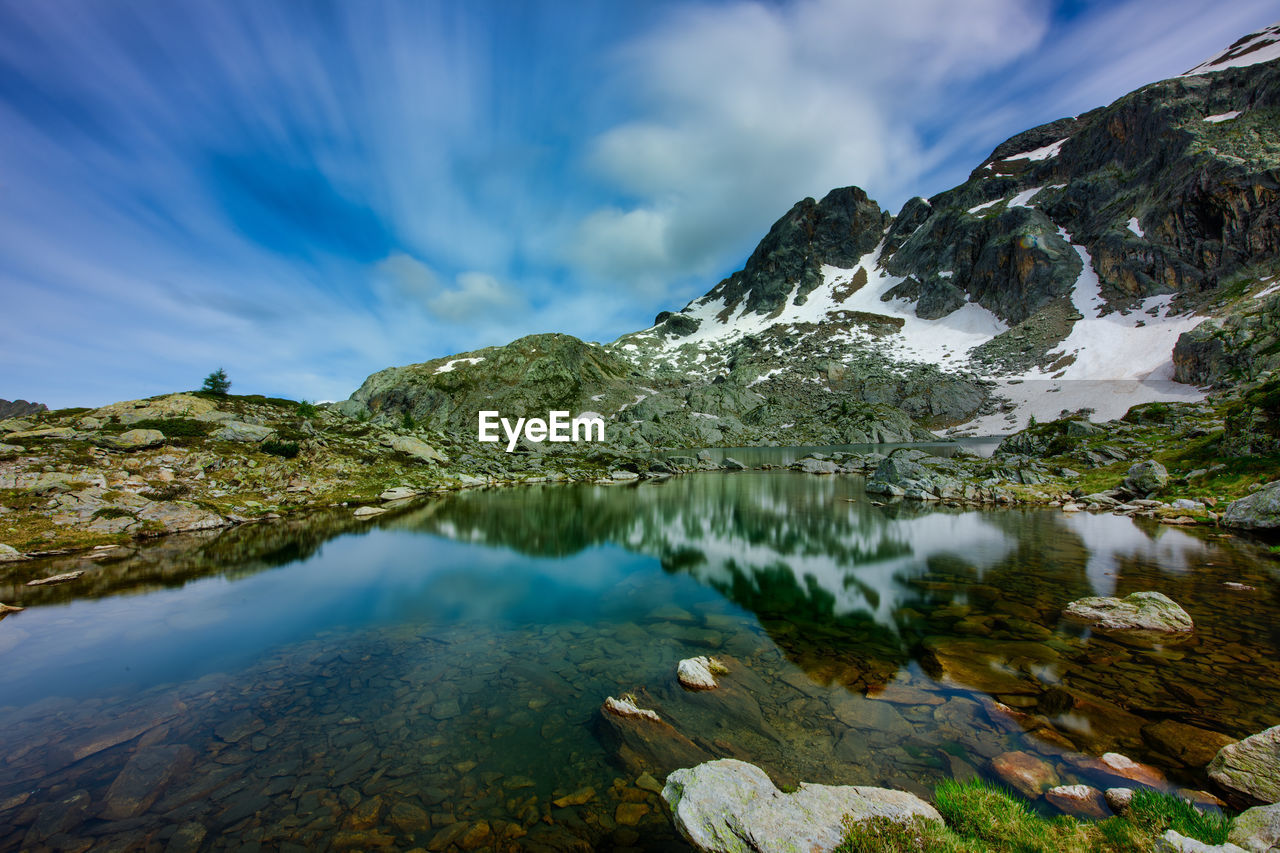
[[478, 297], [746, 108]]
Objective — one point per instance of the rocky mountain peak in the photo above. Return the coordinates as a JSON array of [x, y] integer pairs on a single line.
[[838, 230]]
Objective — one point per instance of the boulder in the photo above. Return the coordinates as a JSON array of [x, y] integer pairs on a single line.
[[731, 464], [1078, 801], [1173, 842], [1146, 477], [699, 673], [1257, 829], [10, 554], [729, 806], [1139, 615], [368, 511], [417, 448], [240, 431], [1250, 767], [176, 516], [1024, 772], [1258, 511], [1119, 799], [398, 493]]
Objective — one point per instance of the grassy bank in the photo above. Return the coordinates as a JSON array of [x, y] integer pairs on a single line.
[[981, 818]]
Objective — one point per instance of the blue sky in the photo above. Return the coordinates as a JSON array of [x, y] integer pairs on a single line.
[[307, 192]]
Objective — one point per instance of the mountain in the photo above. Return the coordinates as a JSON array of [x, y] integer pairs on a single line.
[[20, 409], [1086, 263]]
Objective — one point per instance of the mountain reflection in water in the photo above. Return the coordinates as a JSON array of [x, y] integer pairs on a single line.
[[449, 657]]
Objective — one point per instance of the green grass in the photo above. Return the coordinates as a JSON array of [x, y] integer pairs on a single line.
[[982, 818]]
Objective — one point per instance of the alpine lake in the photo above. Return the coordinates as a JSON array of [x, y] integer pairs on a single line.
[[433, 678]]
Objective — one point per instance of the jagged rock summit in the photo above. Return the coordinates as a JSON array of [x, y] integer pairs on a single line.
[[1088, 262]]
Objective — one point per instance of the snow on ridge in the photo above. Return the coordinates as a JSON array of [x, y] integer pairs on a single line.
[[1221, 117], [1023, 199], [447, 367], [1262, 46], [985, 205], [1051, 150], [1135, 227]]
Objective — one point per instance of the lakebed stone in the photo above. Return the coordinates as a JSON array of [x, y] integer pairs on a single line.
[[1024, 772], [730, 806], [1078, 800]]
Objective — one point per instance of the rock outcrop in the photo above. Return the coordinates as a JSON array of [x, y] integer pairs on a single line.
[[729, 806], [1251, 767]]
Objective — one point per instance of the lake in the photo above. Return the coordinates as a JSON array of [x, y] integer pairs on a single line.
[[433, 678]]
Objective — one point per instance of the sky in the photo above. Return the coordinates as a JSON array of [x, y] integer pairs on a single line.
[[304, 193]]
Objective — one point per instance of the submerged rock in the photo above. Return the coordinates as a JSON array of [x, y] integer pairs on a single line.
[[643, 741], [729, 806], [1250, 767], [1024, 772], [699, 673], [1192, 745], [1140, 615]]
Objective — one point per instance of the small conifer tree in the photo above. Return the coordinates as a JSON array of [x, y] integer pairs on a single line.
[[217, 383]]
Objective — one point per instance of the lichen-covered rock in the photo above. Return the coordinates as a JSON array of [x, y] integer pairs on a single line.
[[729, 806], [239, 431], [1139, 615], [134, 439], [1174, 842], [1257, 829], [1250, 767], [1258, 511]]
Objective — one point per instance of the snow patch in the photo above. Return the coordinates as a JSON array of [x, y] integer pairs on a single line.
[[985, 205], [1051, 150], [1270, 290], [447, 367], [1221, 117], [1023, 199], [1135, 227]]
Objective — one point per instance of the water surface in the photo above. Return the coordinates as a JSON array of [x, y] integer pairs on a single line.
[[433, 678]]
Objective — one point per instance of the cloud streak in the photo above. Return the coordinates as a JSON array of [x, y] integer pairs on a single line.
[[306, 193]]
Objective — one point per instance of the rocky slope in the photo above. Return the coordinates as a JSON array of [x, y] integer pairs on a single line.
[[1086, 263]]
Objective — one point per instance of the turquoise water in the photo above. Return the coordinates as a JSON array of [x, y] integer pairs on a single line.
[[433, 678]]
